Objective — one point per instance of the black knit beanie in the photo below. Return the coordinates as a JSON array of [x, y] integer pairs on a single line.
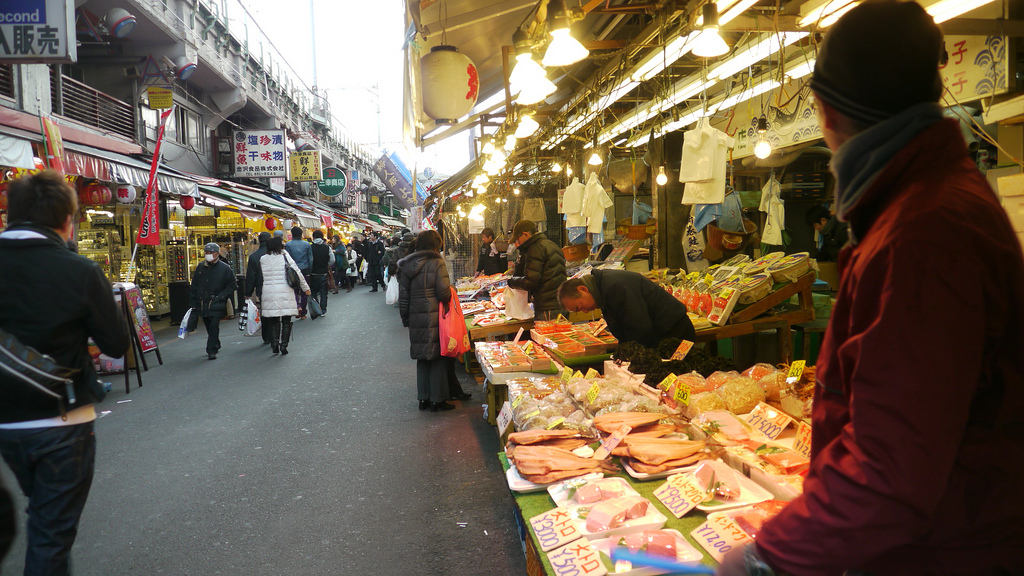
[[879, 59]]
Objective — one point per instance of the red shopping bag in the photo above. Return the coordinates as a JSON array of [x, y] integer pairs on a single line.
[[454, 335]]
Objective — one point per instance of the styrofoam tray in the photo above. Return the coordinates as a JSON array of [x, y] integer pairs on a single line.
[[653, 520], [517, 483], [685, 552], [750, 492], [657, 475], [560, 490]]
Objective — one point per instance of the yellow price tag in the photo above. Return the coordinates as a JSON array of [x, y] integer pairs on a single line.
[[683, 393], [531, 414], [555, 423], [566, 374], [528, 347], [796, 370], [667, 382], [578, 374], [592, 393], [591, 374], [518, 400]]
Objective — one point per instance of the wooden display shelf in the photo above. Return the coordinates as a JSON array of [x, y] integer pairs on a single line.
[[801, 287]]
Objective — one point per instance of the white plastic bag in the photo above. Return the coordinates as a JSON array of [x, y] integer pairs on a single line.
[[183, 327], [253, 320], [517, 304], [391, 296]]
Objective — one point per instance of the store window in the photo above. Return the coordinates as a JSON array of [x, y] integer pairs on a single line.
[[7, 80]]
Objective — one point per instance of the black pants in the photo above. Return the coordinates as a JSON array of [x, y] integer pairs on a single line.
[[212, 324], [318, 290], [375, 274]]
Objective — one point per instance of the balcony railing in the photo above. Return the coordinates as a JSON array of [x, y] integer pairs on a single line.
[[77, 101]]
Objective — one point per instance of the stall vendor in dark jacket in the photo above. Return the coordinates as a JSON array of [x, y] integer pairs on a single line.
[[212, 284], [540, 269], [635, 308], [832, 234], [490, 261]]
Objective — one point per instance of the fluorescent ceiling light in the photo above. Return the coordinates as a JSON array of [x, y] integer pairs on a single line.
[[754, 53], [822, 11], [652, 64], [836, 16], [947, 9], [801, 70]]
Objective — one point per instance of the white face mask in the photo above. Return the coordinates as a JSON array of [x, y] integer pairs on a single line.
[[211, 257]]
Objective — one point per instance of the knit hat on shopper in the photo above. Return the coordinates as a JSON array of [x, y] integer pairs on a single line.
[[879, 59]]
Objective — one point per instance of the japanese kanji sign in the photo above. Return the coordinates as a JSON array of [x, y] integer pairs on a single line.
[[259, 153], [335, 181], [37, 31], [396, 178], [978, 66], [305, 166]]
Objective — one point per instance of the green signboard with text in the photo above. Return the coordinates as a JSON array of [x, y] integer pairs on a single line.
[[335, 181]]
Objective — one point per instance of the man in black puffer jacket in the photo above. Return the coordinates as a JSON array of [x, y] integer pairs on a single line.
[[212, 285], [540, 270]]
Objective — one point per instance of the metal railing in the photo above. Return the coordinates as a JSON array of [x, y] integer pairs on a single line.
[[77, 101]]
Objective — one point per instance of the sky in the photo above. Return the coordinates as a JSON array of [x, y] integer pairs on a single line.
[[359, 63]]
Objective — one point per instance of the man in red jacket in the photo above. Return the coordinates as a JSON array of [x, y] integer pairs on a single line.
[[918, 423]]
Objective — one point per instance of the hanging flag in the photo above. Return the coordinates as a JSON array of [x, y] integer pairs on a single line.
[[53, 144], [149, 228]]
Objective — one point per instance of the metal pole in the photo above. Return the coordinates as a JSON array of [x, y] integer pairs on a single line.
[[312, 35]]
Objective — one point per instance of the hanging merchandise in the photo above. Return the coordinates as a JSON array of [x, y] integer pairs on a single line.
[[533, 209], [595, 202], [772, 203], [572, 200], [703, 166], [641, 212], [731, 218]]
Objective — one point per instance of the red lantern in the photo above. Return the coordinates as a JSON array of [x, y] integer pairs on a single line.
[[270, 223], [187, 203], [95, 194]]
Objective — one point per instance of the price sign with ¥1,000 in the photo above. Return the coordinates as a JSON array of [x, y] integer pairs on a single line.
[[555, 528], [719, 535], [577, 559], [768, 421], [679, 495], [802, 444]]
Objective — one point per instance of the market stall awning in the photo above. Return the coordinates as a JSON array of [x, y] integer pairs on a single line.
[[243, 204], [455, 180], [258, 198], [385, 220], [16, 152], [82, 160]]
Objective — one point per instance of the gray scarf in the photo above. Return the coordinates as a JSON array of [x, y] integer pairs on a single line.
[[862, 158]]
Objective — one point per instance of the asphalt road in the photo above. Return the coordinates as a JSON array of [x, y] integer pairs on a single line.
[[314, 463]]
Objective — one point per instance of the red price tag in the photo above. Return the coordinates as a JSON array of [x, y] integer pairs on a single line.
[[768, 420], [684, 348], [802, 444]]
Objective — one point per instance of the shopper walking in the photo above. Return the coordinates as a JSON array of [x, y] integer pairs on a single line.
[[340, 264], [54, 301], [425, 287], [540, 269], [252, 271], [302, 253], [276, 296], [212, 284], [323, 260], [359, 245], [918, 423], [374, 257], [353, 267]]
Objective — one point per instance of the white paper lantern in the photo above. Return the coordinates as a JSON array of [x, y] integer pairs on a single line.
[[450, 84], [125, 194]]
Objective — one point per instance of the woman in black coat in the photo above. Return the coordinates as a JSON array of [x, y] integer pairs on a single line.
[[424, 288]]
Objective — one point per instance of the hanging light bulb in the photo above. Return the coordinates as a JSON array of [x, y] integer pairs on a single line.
[[563, 49], [662, 178], [556, 167], [595, 159], [527, 126], [510, 142], [763, 148], [568, 171], [515, 191], [528, 78], [488, 145], [708, 43]]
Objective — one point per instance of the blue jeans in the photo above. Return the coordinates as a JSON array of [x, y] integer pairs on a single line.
[[54, 467]]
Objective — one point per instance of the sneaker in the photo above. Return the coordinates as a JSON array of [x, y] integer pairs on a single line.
[[212, 356]]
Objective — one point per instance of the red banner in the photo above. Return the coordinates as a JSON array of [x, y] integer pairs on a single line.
[[149, 228], [53, 144]]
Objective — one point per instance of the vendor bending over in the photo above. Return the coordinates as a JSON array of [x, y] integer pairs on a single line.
[[635, 308]]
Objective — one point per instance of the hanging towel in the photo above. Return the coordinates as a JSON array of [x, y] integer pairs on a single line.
[[572, 200], [708, 191], [595, 202]]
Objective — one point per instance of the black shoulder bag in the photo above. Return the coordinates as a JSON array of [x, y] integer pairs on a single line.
[[24, 366]]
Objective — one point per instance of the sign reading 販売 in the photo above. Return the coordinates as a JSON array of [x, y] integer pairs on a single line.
[[335, 181], [259, 153], [305, 166], [37, 31]]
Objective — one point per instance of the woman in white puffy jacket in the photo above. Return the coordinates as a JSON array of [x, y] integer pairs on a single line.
[[277, 298]]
